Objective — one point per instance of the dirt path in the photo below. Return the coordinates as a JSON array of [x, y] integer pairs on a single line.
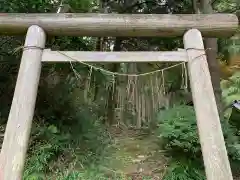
[[136, 155]]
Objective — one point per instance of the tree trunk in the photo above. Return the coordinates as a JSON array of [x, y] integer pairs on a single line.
[[214, 68], [99, 46], [112, 96], [205, 7]]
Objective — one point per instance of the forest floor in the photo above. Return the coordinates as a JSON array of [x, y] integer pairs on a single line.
[[136, 155], [133, 155]]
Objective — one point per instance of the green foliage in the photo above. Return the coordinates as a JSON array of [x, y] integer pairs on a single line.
[[178, 130], [228, 46], [46, 144], [178, 133], [177, 127], [81, 6], [231, 141], [70, 176], [231, 88], [9, 61], [24, 6], [69, 137], [230, 93], [226, 6], [89, 174], [51, 148], [184, 170], [74, 135]]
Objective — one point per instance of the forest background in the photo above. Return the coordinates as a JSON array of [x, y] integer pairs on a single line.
[[90, 124]]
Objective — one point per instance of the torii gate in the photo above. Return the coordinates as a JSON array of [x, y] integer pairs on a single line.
[[190, 26]]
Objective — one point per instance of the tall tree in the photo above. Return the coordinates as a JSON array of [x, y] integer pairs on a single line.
[[211, 46]]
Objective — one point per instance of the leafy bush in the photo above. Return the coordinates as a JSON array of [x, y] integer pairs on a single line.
[[46, 144], [178, 131], [184, 170], [231, 92], [231, 88], [68, 133], [53, 148]]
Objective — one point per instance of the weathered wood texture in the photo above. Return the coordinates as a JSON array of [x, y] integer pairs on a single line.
[[211, 137], [110, 57], [18, 128], [167, 25]]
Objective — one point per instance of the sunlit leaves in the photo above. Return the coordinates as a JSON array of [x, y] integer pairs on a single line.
[[227, 6]]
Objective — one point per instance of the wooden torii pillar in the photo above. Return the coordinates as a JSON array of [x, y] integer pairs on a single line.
[[17, 132], [19, 123], [214, 152]]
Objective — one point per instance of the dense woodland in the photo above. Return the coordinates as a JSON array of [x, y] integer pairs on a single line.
[[86, 117]]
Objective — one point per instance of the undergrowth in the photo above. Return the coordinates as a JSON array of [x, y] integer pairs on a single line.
[[60, 154], [67, 139], [184, 170], [231, 93], [179, 136], [74, 144], [231, 88]]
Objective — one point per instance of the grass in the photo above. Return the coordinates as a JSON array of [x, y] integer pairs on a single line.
[[128, 156]]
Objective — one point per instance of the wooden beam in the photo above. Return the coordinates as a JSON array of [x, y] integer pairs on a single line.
[[214, 152], [110, 57], [17, 132], [145, 25]]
